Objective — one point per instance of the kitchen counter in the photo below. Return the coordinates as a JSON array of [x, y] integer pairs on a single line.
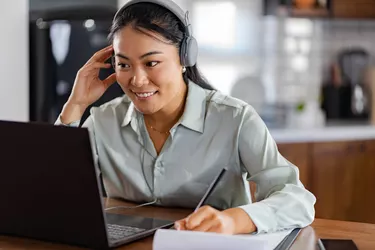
[[333, 132]]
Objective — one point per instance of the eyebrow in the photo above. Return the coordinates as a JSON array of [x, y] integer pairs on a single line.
[[142, 56]]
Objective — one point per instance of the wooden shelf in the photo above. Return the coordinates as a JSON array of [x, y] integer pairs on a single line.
[[287, 8], [335, 9], [362, 9], [318, 12]]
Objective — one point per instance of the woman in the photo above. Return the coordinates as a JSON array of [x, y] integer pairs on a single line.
[[166, 139]]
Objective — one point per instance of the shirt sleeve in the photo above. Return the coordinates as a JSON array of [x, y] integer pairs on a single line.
[[283, 202], [58, 122]]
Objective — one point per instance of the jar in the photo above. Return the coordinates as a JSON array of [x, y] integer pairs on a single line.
[[304, 4]]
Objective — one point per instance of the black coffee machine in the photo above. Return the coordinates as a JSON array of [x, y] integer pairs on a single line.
[[345, 94]]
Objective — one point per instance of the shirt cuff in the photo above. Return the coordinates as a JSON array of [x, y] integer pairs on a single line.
[[72, 124], [263, 217]]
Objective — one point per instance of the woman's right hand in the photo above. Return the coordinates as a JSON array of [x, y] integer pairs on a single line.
[[88, 88]]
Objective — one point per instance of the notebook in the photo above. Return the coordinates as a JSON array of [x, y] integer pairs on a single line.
[[187, 240]]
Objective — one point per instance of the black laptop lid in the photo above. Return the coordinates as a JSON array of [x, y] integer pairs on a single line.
[[46, 173]]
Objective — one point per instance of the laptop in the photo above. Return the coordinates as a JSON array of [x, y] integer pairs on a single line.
[[50, 190]]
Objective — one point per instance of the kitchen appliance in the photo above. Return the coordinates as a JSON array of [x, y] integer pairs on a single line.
[[345, 93]]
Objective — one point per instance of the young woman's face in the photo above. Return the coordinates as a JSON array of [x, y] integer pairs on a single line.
[[147, 69]]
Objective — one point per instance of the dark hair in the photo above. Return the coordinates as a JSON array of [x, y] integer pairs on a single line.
[[158, 19]]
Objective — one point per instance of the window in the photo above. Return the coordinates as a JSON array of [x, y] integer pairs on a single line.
[[215, 24]]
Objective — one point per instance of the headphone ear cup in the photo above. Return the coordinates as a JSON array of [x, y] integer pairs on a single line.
[[183, 53], [189, 51]]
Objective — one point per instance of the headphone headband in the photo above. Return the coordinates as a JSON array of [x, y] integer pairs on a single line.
[[169, 5]]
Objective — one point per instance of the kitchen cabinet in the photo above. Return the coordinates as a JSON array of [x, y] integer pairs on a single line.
[[298, 154], [353, 9], [340, 174], [337, 167]]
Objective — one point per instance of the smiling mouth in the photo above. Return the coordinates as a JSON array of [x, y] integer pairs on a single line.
[[145, 94]]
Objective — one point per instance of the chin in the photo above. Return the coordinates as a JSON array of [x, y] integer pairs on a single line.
[[146, 110]]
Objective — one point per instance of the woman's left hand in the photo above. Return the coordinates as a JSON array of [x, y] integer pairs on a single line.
[[208, 219]]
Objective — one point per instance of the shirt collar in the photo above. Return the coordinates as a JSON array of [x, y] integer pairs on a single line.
[[195, 108], [130, 115], [194, 113]]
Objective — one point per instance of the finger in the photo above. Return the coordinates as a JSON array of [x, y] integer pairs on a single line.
[[216, 228], [110, 80], [203, 213], [98, 65], [102, 55], [206, 225], [180, 225], [93, 67]]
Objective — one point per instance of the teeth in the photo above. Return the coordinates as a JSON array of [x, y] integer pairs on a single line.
[[143, 95]]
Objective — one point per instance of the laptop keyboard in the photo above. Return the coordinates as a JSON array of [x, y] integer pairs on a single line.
[[118, 232]]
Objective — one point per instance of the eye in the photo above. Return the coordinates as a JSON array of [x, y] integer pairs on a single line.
[[152, 64], [123, 65]]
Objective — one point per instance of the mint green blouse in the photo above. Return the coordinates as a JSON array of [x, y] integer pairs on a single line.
[[215, 131]]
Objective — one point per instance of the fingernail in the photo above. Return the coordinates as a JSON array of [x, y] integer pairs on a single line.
[[177, 226]]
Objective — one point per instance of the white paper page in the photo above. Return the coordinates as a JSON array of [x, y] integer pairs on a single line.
[[272, 239], [187, 240]]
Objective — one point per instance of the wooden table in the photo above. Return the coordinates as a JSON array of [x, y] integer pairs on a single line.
[[362, 234]]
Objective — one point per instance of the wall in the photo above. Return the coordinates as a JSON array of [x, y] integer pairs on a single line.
[[291, 59], [182, 3], [48, 4], [297, 53], [290, 68], [288, 56], [14, 60]]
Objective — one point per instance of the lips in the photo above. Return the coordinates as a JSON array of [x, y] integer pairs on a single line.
[[144, 95]]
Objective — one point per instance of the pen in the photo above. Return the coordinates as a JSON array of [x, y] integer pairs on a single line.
[[320, 244], [209, 191]]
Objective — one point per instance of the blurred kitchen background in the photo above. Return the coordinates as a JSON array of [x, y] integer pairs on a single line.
[[300, 63], [307, 66]]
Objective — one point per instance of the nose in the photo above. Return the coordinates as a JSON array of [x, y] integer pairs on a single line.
[[139, 79]]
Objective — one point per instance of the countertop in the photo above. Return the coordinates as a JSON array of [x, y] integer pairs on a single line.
[[330, 132]]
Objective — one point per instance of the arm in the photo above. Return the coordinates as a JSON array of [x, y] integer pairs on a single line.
[[283, 200], [87, 89]]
